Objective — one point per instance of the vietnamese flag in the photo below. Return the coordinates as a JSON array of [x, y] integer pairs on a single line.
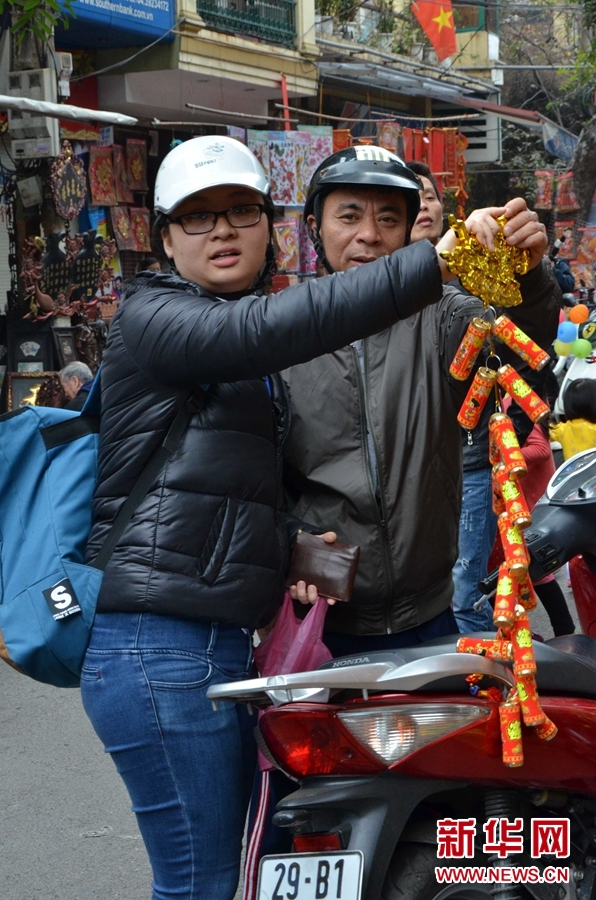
[[436, 20]]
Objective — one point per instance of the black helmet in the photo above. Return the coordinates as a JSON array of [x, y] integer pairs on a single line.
[[365, 165]]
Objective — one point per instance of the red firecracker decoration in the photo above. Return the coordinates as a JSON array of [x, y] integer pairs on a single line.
[[515, 594]]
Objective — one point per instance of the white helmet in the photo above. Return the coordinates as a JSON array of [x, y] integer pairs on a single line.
[[205, 162]]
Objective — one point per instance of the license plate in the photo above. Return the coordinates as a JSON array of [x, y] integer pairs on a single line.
[[311, 876]]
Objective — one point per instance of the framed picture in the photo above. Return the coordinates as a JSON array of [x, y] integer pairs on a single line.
[[66, 347], [22, 388], [30, 367], [29, 343]]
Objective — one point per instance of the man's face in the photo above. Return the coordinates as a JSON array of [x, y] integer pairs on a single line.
[[429, 222], [71, 386], [360, 225]]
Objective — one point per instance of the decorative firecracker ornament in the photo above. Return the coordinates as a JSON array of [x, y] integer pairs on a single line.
[[524, 346], [505, 598], [501, 428], [498, 648], [512, 496], [479, 392], [514, 547], [470, 347], [511, 732], [494, 454], [498, 502], [526, 594], [547, 731], [531, 710], [533, 406], [524, 661], [491, 276]]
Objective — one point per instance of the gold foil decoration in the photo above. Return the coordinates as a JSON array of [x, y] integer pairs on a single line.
[[488, 274]]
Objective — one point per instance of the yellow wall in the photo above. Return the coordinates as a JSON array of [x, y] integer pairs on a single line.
[[199, 49], [218, 54], [473, 51]]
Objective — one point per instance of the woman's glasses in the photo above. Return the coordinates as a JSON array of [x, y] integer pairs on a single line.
[[203, 222]]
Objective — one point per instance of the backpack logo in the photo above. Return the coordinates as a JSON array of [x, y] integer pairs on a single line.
[[62, 599]]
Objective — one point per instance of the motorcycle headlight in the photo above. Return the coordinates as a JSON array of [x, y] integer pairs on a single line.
[[393, 732], [574, 481]]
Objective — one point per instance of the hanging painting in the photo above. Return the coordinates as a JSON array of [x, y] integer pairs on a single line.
[[101, 177], [68, 183], [136, 164]]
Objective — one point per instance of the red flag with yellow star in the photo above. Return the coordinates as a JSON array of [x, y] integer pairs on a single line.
[[436, 19]]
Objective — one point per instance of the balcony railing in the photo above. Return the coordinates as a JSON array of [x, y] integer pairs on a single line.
[[270, 20]]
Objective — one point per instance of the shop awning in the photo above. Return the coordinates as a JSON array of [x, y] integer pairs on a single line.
[[557, 140], [64, 111], [395, 80]]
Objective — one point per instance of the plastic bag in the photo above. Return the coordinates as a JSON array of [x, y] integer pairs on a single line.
[[292, 645]]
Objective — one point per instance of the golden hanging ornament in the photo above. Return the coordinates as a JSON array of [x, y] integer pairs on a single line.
[[488, 274]]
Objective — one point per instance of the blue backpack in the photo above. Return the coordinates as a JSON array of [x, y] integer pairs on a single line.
[[48, 595]]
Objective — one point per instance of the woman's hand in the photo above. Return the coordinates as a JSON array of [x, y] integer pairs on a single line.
[[309, 593]]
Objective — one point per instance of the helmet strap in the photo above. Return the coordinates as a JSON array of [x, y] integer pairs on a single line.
[[315, 235]]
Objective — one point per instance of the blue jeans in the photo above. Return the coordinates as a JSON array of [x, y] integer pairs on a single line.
[[477, 529], [143, 686]]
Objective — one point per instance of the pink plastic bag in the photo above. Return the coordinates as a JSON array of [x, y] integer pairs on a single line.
[[292, 645]]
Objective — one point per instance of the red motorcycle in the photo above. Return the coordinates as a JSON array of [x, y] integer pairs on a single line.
[[401, 789]]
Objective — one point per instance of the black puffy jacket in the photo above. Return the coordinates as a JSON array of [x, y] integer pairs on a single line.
[[208, 541]]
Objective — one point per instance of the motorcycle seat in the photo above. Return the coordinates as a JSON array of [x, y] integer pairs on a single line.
[[565, 665]]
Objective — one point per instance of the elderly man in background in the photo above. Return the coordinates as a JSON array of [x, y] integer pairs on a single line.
[[76, 379]]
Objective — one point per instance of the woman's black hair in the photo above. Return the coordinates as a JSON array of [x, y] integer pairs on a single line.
[[579, 400], [423, 170], [269, 268], [160, 221], [146, 262]]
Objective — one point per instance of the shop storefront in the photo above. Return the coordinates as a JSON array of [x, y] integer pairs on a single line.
[[72, 229]]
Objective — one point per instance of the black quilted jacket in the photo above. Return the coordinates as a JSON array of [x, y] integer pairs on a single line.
[[208, 541]]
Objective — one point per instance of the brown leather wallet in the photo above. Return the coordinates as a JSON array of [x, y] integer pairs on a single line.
[[332, 567]]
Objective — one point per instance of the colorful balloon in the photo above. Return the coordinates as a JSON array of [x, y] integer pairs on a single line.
[[562, 349], [567, 332], [579, 313], [581, 348]]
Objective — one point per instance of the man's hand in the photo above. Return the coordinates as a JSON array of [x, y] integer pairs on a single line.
[[309, 593], [523, 230]]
